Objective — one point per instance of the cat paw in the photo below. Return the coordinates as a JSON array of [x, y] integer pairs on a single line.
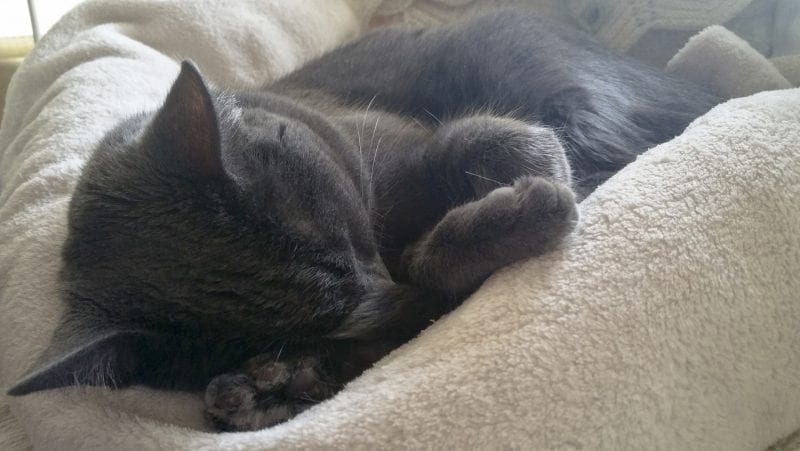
[[523, 220], [489, 152], [548, 211], [268, 391], [509, 224]]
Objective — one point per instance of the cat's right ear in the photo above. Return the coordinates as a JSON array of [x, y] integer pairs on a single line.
[[83, 356], [186, 128]]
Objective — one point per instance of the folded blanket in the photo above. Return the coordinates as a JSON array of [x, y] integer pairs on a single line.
[[709, 57], [670, 319]]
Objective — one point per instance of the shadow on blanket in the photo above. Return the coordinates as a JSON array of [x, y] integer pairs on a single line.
[[669, 320]]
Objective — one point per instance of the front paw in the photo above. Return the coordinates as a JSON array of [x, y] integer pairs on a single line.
[[489, 152], [547, 212], [473, 240], [268, 391]]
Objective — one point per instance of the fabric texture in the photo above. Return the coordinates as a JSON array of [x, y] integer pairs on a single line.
[[650, 30], [669, 319], [710, 55]]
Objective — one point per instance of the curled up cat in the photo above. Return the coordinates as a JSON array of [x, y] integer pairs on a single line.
[[268, 245]]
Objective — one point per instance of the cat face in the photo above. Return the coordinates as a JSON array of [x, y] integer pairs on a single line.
[[216, 215], [238, 211]]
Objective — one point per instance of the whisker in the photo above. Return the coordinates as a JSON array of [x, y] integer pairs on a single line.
[[360, 162], [482, 177], [420, 124], [372, 169], [374, 129], [432, 115], [359, 131]]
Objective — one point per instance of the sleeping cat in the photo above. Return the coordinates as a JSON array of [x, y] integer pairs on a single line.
[[276, 242]]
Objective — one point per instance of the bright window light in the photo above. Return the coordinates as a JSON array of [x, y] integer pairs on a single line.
[[14, 20], [47, 12], [15, 16]]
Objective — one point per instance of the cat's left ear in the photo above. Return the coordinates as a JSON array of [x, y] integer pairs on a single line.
[[187, 127]]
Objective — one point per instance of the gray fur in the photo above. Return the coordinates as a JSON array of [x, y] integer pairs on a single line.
[[325, 219]]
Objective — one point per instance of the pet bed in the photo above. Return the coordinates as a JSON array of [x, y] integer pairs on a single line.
[[670, 319]]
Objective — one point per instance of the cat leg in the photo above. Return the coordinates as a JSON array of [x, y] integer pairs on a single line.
[[476, 154], [267, 391], [473, 240], [464, 160]]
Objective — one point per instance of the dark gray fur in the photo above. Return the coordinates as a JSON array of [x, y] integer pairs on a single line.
[[323, 220]]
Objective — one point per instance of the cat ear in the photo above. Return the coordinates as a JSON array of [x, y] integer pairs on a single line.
[[74, 357], [187, 127]]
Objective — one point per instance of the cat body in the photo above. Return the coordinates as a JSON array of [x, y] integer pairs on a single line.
[[323, 220]]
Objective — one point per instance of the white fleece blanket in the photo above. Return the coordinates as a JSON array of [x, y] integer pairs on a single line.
[[669, 320]]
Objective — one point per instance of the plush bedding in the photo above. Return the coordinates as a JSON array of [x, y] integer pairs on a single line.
[[670, 319]]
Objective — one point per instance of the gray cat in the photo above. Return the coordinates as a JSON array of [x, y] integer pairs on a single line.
[[276, 242]]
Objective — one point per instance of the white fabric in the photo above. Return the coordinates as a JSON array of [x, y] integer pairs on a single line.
[[710, 55], [669, 320], [12, 437], [620, 23], [651, 30]]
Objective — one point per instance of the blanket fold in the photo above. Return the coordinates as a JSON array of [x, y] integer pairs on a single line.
[[669, 319]]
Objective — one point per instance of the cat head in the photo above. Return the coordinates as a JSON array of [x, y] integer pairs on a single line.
[[219, 223]]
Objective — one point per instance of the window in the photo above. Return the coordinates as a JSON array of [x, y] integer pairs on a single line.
[[16, 33], [31, 18]]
